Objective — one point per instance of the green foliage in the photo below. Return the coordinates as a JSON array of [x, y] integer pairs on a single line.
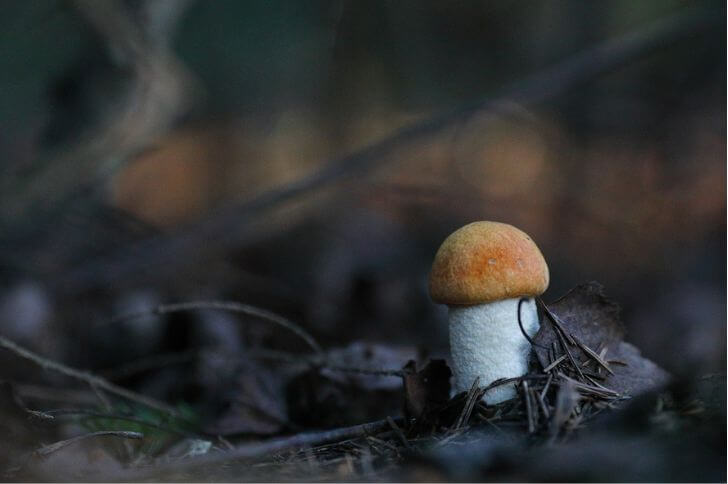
[[160, 429]]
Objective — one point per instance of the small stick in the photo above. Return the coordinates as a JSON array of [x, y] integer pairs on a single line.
[[489, 422], [105, 402], [529, 410], [504, 381], [556, 320], [469, 404], [594, 356], [568, 353], [605, 392], [95, 382], [542, 404], [566, 400], [554, 363], [50, 448], [231, 306], [389, 445], [532, 399], [602, 351], [590, 375], [398, 432], [546, 386], [597, 384]]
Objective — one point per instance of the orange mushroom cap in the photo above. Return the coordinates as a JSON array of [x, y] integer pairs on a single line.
[[487, 261]]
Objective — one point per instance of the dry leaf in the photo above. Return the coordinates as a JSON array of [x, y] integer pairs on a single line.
[[593, 319], [426, 389]]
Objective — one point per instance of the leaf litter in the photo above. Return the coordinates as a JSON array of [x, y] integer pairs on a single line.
[[580, 368]]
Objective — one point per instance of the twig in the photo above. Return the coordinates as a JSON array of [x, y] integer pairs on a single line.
[[546, 386], [231, 306], [50, 448], [389, 445], [529, 408], [504, 381], [474, 394], [398, 432], [600, 390], [485, 419], [566, 400], [594, 356], [542, 403], [534, 404], [561, 334], [554, 363], [556, 322], [230, 227], [86, 377], [255, 450]]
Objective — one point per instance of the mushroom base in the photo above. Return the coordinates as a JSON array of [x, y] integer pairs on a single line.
[[486, 342]]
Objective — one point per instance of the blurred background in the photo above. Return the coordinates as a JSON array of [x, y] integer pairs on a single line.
[[160, 151]]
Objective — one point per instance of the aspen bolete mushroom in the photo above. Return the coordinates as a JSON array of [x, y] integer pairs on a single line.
[[482, 271]]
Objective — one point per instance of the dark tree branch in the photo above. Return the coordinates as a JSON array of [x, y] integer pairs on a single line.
[[160, 89], [232, 226], [86, 377]]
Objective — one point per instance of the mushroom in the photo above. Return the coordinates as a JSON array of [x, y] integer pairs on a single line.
[[482, 271]]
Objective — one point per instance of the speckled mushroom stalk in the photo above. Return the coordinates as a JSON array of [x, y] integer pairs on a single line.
[[481, 272]]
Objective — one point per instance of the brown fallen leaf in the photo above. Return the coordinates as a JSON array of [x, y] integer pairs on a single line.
[[592, 328], [356, 383], [255, 404], [427, 389]]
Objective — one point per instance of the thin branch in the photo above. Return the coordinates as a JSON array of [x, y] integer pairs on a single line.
[[564, 336], [89, 378], [231, 306], [160, 89], [230, 227], [56, 446], [474, 394], [529, 408], [554, 363], [398, 432], [596, 390], [255, 450], [594, 356], [546, 386]]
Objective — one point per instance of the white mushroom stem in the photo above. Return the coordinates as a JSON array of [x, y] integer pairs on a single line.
[[487, 342]]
